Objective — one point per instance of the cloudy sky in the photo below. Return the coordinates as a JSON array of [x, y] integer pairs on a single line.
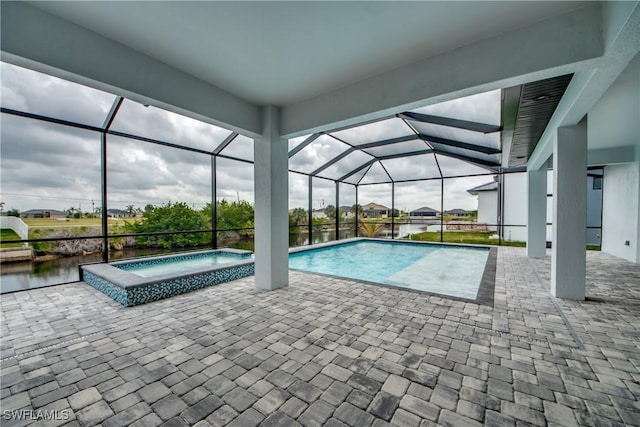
[[50, 166]]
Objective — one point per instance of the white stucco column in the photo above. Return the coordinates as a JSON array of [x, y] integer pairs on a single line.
[[568, 262], [271, 193], [537, 213]]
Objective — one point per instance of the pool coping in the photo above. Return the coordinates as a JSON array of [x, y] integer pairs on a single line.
[[486, 289]]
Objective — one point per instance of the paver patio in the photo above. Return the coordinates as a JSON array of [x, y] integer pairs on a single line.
[[327, 351]]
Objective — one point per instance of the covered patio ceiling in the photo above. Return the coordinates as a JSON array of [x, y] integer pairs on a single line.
[[286, 53]]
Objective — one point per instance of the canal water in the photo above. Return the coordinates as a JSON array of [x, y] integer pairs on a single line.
[[28, 275]]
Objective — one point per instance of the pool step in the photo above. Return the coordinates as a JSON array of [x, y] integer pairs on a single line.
[[435, 271]]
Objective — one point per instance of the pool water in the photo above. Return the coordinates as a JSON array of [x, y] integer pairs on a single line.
[[447, 270], [179, 264]]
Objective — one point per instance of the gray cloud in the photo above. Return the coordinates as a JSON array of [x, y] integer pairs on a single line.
[[166, 126], [38, 93]]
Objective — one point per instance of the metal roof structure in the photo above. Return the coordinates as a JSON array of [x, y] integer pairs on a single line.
[[469, 134]]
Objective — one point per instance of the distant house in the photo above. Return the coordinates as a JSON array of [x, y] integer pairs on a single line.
[[117, 213], [374, 210], [487, 203], [425, 211], [457, 213], [346, 212], [322, 213], [319, 214], [43, 213]]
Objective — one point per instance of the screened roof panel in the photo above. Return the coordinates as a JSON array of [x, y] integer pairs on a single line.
[[32, 92], [241, 147], [375, 175], [398, 148], [443, 149], [491, 140], [38, 171], [314, 155], [34, 147], [420, 167], [356, 177], [293, 142], [163, 125], [455, 167], [483, 108], [372, 132], [466, 128], [234, 180], [345, 165], [146, 173]]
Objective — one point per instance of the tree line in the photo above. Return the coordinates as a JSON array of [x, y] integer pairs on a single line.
[[234, 220]]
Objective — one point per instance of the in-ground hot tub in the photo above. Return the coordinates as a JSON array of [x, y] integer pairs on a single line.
[[144, 280]]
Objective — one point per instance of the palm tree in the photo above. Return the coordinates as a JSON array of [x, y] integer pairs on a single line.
[[330, 212], [130, 210], [357, 210], [299, 216], [371, 229]]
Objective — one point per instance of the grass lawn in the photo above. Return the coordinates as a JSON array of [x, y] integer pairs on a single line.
[[71, 222], [8, 234], [46, 227], [474, 237]]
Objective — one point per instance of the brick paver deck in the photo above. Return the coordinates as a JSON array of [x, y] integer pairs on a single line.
[[330, 352]]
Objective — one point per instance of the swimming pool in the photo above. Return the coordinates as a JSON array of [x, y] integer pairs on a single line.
[[464, 272], [145, 280], [455, 271]]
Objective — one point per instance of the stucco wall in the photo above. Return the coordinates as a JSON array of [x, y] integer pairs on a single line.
[[621, 210], [515, 207], [613, 122], [488, 208]]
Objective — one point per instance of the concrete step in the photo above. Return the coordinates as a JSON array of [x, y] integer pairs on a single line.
[[15, 255]]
